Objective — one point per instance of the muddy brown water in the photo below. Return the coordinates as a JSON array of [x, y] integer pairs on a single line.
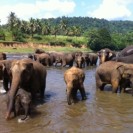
[[102, 112]]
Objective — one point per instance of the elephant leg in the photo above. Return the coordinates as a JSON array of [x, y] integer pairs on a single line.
[[5, 84], [115, 85], [69, 93], [26, 107], [82, 91]]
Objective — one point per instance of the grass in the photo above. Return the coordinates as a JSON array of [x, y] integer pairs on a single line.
[[45, 42]]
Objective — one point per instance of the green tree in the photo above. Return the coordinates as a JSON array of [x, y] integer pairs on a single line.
[[12, 22], [99, 39]]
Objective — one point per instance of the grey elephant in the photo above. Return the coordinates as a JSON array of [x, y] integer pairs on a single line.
[[5, 73], [43, 58], [74, 79], [126, 51], [117, 74], [105, 55], [39, 51], [27, 74], [22, 100], [93, 57], [64, 59], [125, 59]]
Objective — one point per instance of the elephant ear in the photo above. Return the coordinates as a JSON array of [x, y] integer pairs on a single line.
[[110, 54], [121, 69], [125, 74]]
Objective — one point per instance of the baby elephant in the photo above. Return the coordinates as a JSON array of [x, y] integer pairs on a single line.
[[22, 99], [74, 78]]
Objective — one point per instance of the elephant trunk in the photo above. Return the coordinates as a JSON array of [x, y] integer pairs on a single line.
[[12, 92], [102, 58]]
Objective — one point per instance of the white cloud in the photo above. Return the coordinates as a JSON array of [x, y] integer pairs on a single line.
[[112, 9], [39, 9]]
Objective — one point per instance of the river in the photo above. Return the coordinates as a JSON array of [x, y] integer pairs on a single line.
[[102, 112]]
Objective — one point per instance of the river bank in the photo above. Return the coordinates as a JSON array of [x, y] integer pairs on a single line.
[[30, 48]]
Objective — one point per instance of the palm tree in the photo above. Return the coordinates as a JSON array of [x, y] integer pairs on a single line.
[[63, 25], [32, 26], [12, 21], [46, 29], [55, 30]]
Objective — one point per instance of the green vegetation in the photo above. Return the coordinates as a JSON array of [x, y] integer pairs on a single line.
[[68, 32]]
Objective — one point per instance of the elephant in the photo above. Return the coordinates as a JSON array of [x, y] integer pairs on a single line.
[[27, 74], [64, 59], [114, 73], [80, 61], [5, 73], [126, 51], [86, 59], [43, 58], [30, 56], [3, 56], [22, 100], [93, 57], [105, 55], [125, 59], [74, 78], [39, 51]]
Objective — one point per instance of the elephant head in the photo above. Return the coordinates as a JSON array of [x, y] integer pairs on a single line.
[[105, 55], [79, 61], [21, 72], [126, 72]]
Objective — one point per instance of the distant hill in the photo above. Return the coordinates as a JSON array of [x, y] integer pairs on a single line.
[[88, 23]]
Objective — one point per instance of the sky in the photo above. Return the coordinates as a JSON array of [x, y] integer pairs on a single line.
[[106, 9]]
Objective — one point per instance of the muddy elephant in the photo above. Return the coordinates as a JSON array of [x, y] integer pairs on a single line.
[[27, 74], [114, 73], [64, 59], [5, 73], [74, 79], [43, 58], [3, 56], [105, 55], [126, 51], [80, 61]]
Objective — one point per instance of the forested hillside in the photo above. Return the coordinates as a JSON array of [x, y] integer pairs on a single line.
[[75, 31], [87, 23]]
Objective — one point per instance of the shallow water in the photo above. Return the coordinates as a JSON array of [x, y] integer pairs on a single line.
[[102, 112]]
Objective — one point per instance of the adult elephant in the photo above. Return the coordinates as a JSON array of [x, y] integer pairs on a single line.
[[3, 56], [43, 58], [126, 51], [114, 73], [64, 59], [105, 55], [93, 57], [27, 74], [74, 78], [125, 59], [5, 73], [39, 51], [86, 59]]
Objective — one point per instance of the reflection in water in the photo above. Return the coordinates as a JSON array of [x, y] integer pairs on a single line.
[[102, 112]]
